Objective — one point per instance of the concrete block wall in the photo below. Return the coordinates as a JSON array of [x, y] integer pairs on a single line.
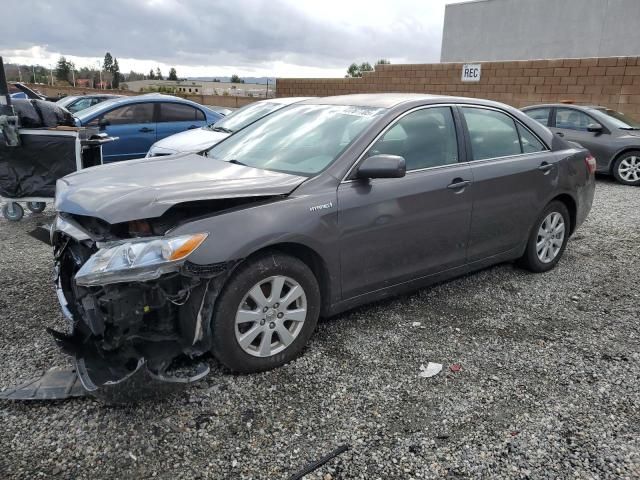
[[613, 82]]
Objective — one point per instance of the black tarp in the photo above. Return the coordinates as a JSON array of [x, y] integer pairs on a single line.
[[40, 113], [31, 169]]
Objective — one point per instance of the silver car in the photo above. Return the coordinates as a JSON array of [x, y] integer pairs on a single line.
[[198, 140]]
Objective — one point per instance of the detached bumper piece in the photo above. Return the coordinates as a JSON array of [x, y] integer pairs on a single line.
[[141, 384], [56, 384]]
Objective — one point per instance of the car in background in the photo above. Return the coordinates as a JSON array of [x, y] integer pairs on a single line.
[[315, 209], [206, 137], [612, 137], [19, 95], [141, 121], [76, 103]]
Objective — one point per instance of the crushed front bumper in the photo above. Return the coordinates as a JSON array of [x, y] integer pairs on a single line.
[[127, 339]]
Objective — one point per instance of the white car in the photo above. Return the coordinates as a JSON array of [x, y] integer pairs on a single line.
[[199, 139]]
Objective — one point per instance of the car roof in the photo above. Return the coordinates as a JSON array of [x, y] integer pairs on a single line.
[[564, 105], [124, 100], [287, 100], [390, 100]]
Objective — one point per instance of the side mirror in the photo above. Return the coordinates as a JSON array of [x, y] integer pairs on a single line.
[[594, 127], [103, 123], [382, 166]]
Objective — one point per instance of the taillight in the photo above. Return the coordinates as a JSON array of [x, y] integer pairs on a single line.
[[590, 161]]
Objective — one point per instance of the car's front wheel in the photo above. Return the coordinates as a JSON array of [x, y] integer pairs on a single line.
[[265, 314], [548, 239], [626, 169]]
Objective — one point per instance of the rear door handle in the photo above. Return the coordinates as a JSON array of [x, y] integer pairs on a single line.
[[545, 167], [560, 134], [458, 184], [146, 130], [191, 127]]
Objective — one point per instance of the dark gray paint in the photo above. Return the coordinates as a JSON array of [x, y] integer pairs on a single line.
[[378, 237], [605, 146]]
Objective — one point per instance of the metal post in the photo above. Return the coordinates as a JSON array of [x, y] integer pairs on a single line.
[[5, 98]]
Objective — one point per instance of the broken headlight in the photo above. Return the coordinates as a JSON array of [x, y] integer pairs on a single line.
[[137, 260]]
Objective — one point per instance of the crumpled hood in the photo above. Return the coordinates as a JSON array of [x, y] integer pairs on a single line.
[[195, 140], [148, 187]]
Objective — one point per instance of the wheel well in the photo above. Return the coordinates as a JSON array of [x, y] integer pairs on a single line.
[[570, 203], [619, 154], [311, 259]]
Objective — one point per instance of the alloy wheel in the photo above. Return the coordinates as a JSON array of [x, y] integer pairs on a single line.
[[629, 169], [270, 316], [550, 237]]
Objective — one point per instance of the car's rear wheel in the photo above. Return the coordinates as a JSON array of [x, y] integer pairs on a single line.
[[548, 238], [626, 168], [266, 314]]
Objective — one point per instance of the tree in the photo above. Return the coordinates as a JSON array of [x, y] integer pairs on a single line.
[[356, 70], [173, 75], [152, 76], [63, 69], [236, 79], [383, 61], [159, 74], [108, 62], [115, 70]]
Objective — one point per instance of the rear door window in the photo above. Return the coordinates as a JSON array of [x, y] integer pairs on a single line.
[[178, 112], [493, 134], [134, 113], [540, 115]]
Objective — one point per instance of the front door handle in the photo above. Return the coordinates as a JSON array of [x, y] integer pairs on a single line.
[[146, 130], [458, 183], [560, 134], [545, 167]]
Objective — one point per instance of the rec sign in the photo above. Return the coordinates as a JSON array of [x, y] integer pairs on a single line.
[[471, 72]]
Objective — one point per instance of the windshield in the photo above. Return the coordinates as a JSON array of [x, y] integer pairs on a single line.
[[63, 102], [244, 116], [619, 120], [300, 139]]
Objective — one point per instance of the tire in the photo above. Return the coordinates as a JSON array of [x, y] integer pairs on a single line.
[[240, 299], [12, 211], [626, 169], [533, 256], [36, 207]]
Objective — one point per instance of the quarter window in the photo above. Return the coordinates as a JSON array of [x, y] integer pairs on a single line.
[[572, 119], [529, 141], [134, 113], [492, 134], [540, 114], [425, 138], [177, 112]]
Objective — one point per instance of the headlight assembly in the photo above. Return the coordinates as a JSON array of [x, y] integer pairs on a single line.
[[137, 260]]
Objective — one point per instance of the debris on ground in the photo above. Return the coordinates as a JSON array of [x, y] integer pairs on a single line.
[[430, 370]]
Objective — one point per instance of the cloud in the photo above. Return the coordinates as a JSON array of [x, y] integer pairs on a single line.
[[249, 35]]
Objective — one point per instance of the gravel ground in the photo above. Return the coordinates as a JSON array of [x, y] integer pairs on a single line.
[[549, 385]]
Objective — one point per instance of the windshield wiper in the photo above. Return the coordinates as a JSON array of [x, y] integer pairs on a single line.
[[221, 129], [237, 162]]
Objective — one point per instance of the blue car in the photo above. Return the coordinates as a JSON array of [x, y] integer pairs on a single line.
[[140, 121]]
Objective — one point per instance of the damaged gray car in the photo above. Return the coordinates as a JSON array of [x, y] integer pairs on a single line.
[[313, 210]]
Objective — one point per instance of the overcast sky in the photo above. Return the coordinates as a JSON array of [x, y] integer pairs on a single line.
[[284, 38]]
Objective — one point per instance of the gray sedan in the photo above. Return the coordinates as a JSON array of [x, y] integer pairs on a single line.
[[612, 137], [319, 207]]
